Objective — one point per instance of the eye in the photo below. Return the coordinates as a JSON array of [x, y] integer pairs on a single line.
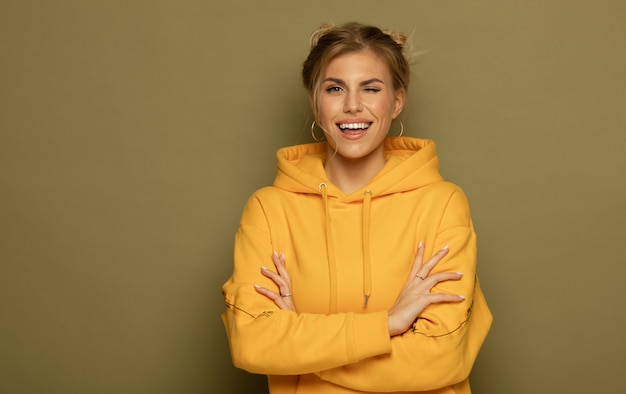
[[371, 89], [334, 89]]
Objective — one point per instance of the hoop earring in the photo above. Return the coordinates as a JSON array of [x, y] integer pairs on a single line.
[[313, 133], [401, 130]]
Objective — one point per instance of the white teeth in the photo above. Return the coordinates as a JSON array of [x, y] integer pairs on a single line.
[[354, 126]]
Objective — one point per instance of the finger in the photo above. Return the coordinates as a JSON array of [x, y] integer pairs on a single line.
[[283, 286], [272, 275], [284, 303], [434, 279], [417, 263], [444, 297], [432, 262], [279, 263], [444, 276], [272, 295]]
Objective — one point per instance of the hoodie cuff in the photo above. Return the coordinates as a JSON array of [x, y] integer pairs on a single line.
[[371, 334]]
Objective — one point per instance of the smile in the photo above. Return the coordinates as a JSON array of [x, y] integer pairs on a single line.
[[354, 126]]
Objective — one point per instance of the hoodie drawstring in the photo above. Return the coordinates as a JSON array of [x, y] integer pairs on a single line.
[[367, 264], [330, 250]]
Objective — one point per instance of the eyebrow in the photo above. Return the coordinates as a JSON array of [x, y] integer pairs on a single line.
[[366, 82]]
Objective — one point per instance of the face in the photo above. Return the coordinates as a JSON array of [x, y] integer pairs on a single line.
[[357, 103]]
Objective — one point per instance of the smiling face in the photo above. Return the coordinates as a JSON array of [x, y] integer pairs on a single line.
[[356, 105]]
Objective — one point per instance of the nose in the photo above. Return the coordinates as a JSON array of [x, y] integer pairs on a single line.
[[353, 103]]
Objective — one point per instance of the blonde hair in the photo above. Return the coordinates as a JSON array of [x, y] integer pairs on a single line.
[[329, 42]]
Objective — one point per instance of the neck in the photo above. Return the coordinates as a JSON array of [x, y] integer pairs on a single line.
[[350, 175]]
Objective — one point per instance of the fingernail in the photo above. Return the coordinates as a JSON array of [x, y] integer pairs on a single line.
[[420, 245], [282, 256], [462, 297], [264, 268], [257, 286], [445, 247], [459, 273], [275, 254]]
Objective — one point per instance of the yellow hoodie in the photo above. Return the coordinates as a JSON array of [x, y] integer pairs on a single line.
[[348, 257]]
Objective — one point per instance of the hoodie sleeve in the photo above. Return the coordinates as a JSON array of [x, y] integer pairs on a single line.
[[266, 340], [441, 347]]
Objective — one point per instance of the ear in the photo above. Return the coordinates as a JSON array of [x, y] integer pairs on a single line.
[[399, 99]]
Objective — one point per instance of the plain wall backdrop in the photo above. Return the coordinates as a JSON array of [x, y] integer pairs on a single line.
[[132, 133]]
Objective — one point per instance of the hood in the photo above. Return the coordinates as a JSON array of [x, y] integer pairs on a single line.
[[411, 163]]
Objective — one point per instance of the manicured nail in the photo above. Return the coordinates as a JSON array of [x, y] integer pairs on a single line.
[[462, 297], [264, 268], [459, 273], [282, 256], [445, 247], [420, 245], [257, 286], [275, 254]]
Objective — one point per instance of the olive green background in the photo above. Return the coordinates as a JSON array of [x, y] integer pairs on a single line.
[[132, 133]]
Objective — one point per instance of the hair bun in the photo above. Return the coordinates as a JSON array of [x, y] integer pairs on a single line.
[[397, 37], [319, 33]]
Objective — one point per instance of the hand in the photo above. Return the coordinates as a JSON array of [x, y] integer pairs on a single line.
[[283, 299], [415, 295]]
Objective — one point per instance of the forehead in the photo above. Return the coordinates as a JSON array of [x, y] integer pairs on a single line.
[[360, 64]]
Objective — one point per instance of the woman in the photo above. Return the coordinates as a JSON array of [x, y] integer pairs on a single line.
[[351, 304]]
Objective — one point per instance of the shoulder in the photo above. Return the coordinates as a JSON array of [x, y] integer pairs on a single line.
[[269, 204], [255, 210], [446, 190], [266, 194], [264, 198], [447, 199], [456, 207]]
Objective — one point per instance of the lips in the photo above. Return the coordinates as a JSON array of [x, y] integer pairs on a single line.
[[354, 129]]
